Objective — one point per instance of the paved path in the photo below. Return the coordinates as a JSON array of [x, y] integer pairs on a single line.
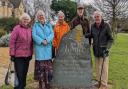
[[4, 62]]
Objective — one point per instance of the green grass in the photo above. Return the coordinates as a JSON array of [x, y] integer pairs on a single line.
[[118, 66]]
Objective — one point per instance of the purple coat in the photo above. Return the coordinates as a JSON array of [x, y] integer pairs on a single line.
[[21, 42]]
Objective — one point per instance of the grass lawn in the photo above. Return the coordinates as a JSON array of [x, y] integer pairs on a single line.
[[118, 68]]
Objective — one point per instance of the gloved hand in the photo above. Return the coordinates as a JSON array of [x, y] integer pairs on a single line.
[[105, 52], [12, 58]]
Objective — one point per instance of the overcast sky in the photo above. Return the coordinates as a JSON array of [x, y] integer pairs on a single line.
[[85, 1]]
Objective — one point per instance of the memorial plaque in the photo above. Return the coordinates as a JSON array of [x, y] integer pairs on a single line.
[[72, 65]]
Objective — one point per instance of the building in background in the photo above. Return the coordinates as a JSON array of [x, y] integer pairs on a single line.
[[7, 10]]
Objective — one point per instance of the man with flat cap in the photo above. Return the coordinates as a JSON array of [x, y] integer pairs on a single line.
[[72, 65], [80, 19]]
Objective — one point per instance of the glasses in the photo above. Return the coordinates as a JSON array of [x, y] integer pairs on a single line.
[[41, 16]]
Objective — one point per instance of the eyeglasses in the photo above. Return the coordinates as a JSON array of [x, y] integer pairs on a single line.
[[41, 16]]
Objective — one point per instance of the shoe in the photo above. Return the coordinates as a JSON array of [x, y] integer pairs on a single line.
[[103, 87], [95, 83]]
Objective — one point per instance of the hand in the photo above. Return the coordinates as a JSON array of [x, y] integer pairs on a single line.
[[45, 42], [12, 58], [105, 52]]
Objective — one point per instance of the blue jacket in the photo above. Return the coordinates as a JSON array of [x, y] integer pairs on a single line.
[[40, 33]]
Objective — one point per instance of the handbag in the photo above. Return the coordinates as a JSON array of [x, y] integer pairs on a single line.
[[11, 77]]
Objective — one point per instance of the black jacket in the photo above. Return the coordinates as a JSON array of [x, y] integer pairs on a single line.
[[102, 38]]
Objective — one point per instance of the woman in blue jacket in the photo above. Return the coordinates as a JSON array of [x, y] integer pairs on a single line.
[[42, 34]]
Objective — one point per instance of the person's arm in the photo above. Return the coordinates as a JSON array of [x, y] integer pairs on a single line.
[[32, 49], [68, 28], [55, 38], [50, 37], [110, 37], [12, 41], [38, 40], [88, 32], [72, 24]]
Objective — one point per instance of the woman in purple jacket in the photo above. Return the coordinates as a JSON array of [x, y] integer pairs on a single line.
[[21, 49]]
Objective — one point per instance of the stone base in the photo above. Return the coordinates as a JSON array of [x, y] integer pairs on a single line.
[[92, 87]]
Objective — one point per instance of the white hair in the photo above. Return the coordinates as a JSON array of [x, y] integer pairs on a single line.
[[97, 12], [25, 15], [60, 13], [39, 12]]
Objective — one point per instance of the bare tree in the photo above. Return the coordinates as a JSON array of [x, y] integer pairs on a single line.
[[31, 6], [113, 10]]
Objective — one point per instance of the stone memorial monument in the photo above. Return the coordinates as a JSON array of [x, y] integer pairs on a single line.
[[72, 65]]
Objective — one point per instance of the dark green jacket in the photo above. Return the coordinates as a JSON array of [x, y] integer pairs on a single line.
[[102, 38]]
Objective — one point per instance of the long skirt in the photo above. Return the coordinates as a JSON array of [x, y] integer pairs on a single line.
[[43, 73]]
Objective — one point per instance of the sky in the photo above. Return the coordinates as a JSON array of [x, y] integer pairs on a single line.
[[85, 1]]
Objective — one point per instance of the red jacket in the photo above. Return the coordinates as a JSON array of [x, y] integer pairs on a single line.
[[21, 42]]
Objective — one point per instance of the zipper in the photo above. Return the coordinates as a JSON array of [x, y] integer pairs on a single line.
[[99, 32]]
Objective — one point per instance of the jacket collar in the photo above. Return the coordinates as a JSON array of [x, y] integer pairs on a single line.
[[64, 23], [26, 27], [82, 17], [101, 25], [40, 25]]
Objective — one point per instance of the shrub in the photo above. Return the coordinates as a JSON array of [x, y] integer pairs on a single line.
[[8, 23], [2, 33], [4, 40]]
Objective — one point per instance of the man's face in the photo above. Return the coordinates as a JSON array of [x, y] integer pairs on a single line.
[[80, 11], [97, 18]]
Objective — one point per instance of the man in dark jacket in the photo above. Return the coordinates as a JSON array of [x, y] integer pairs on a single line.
[[102, 41]]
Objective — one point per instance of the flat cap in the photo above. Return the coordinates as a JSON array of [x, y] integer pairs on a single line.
[[80, 6]]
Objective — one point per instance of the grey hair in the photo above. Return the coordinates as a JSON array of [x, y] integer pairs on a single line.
[[97, 12], [25, 15], [39, 12], [61, 13]]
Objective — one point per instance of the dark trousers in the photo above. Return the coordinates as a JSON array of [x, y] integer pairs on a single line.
[[21, 65], [53, 52]]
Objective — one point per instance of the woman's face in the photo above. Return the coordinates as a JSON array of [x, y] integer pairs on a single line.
[[41, 19], [25, 21], [61, 18]]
